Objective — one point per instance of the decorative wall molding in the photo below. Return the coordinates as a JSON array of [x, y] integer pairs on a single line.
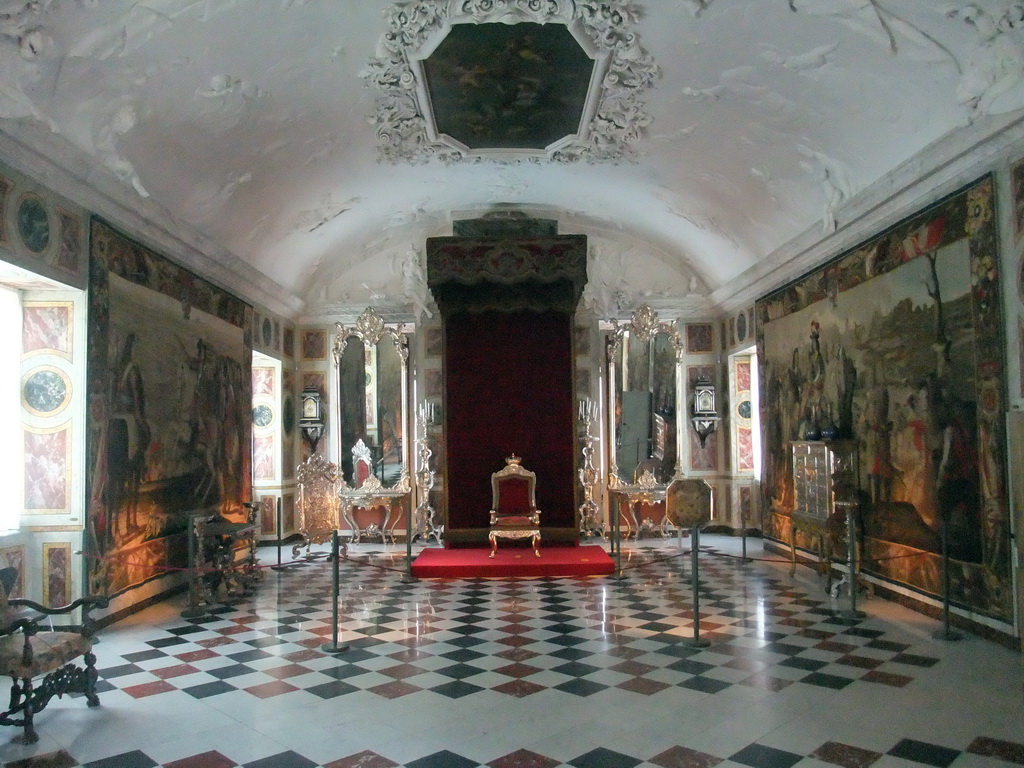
[[617, 119], [50, 159], [940, 169]]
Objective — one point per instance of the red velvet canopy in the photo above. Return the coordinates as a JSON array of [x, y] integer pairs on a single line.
[[507, 306], [509, 390]]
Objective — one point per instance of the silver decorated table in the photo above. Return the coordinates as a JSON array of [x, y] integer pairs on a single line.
[[647, 490], [373, 495]]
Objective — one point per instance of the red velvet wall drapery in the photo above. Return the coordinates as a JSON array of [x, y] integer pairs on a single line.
[[509, 389]]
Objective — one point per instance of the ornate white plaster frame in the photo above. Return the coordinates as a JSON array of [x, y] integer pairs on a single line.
[[613, 117]]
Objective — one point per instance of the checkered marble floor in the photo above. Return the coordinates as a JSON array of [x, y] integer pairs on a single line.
[[587, 672]]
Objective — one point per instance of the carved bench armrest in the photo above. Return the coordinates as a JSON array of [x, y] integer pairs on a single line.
[[30, 625]]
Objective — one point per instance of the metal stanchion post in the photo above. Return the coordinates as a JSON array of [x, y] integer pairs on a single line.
[[333, 647], [280, 534], [697, 641], [197, 605], [743, 523], [407, 577], [945, 632], [617, 538], [851, 564]]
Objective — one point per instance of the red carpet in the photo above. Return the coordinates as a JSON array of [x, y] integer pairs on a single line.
[[512, 561]]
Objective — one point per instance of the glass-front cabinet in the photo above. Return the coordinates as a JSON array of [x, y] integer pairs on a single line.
[[818, 467]]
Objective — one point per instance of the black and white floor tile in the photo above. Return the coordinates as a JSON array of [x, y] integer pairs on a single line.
[[536, 673]]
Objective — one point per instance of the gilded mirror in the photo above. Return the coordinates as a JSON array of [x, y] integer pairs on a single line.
[[371, 364], [644, 359]]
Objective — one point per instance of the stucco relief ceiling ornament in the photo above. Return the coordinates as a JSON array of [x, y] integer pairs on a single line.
[[612, 118]]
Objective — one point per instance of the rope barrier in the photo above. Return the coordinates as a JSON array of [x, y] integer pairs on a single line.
[[748, 558], [154, 566], [655, 560], [366, 560]]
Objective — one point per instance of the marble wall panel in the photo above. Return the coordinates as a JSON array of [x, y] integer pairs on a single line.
[[56, 574], [46, 470], [262, 381], [268, 515], [314, 345], [288, 512], [41, 231], [700, 338], [14, 557], [47, 327], [69, 244], [742, 412], [263, 457]]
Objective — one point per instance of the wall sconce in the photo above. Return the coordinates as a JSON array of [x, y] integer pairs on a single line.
[[704, 416], [311, 417]]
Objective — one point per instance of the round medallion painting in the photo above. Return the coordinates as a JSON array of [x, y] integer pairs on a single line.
[[45, 391], [744, 409], [33, 224], [262, 416]]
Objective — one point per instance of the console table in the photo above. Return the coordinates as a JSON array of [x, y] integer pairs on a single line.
[[373, 495], [647, 490]]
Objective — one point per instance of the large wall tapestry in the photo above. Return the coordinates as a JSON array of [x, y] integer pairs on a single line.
[[897, 345], [170, 394]]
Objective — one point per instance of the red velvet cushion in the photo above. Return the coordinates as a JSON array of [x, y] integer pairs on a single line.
[[516, 521], [362, 473], [513, 496]]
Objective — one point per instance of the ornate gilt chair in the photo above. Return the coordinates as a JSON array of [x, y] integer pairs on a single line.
[[514, 513], [41, 662]]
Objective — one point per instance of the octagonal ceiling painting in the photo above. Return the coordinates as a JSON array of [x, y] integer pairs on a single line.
[[502, 86], [509, 81]]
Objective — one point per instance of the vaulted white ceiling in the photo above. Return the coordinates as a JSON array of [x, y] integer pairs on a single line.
[[248, 129]]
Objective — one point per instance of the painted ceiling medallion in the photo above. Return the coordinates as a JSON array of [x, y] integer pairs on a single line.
[[510, 80]]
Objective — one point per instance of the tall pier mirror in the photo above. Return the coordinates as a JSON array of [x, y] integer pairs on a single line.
[[371, 368], [645, 382]]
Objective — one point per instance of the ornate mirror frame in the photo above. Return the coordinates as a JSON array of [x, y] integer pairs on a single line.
[[644, 325], [369, 329]]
